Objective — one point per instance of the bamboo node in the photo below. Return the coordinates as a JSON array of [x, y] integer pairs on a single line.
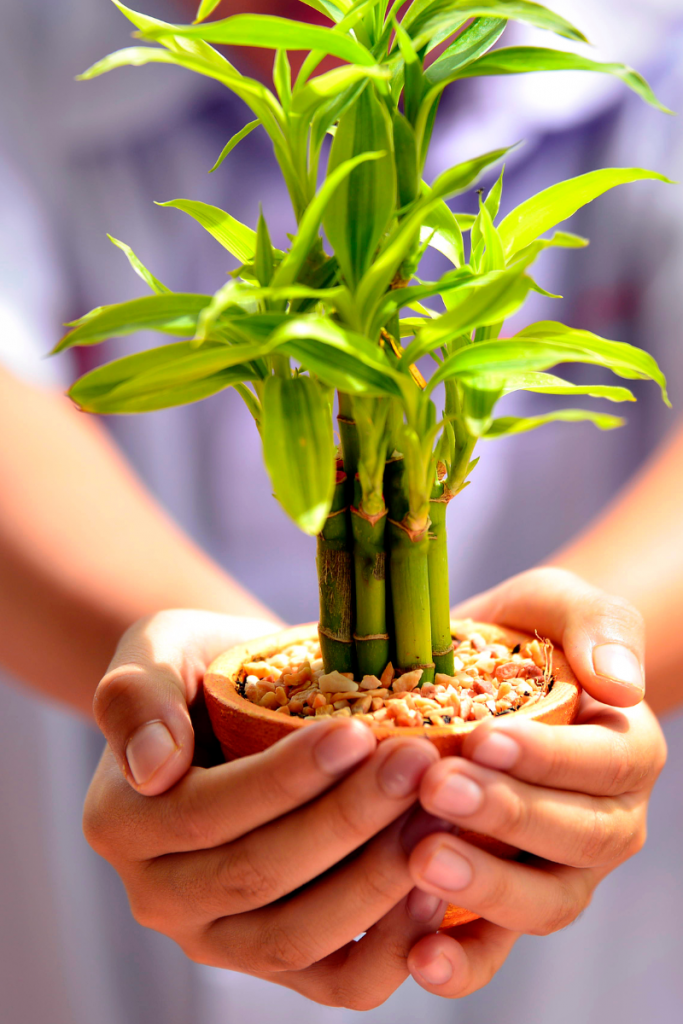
[[372, 636], [331, 635]]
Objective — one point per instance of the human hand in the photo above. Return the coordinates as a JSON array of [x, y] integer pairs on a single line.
[[573, 797], [269, 865]]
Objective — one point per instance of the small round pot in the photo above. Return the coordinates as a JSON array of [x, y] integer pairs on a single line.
[[243, 728]]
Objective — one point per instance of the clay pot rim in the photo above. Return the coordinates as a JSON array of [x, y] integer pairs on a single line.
[[221, 676]]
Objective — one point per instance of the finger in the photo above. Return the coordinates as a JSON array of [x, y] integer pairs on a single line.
[[141, 704], [602, 636], [316, 922], [210, 807], [454, 966], [362, 975], [610, 753], [570, 828], [267, 863], [535, 898]]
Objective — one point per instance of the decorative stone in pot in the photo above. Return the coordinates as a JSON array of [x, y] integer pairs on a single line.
[[542, 687]]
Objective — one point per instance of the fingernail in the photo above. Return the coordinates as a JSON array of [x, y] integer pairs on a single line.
[[419, 825], [497, 750], [456, 795], [437, 971], [343, 747], [400, 774], [422, 906], [619, 664], [447, 870], [148, 750]]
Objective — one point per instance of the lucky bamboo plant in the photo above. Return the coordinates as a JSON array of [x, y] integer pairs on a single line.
[[291, 327]]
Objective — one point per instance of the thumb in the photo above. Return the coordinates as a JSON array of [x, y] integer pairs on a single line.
[[142, 703], [603, 637]]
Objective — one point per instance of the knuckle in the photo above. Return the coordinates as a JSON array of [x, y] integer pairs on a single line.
[[513, 816], [114, 690], [498, 890], [563, 912], [280, 949], [243, 881], [345, 821]]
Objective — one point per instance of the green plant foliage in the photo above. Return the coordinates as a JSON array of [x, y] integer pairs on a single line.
[[329, 312], [299, 449]]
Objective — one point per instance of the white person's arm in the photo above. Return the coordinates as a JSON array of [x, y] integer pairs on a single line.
[[635, 549], [85, 550]]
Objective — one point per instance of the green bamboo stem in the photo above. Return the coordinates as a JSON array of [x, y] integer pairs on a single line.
[[409, 574], [370, 635], [439, 596], [335, 583], [350, 446]]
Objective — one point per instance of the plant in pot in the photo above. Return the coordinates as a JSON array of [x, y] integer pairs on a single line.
[[343, 309]]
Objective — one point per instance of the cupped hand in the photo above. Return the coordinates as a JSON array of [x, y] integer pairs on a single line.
[[574, 798], [273, 864]]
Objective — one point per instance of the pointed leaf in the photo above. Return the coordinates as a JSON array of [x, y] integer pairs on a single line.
[[439, 16], [206, 8], [515, 60], [555, 204], [230, 145], [484, 300], [100, 390], [471, 43], [234, 236], [624, 360], [292, 263], [365, 200], [140, 269], [272, 32], [517, 425], [172, 313], [298, 448], [547, 384]]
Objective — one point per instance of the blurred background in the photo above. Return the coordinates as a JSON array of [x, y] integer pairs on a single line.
[[78, 160]]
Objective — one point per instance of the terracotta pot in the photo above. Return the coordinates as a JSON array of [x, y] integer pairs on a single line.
[[244, 728]]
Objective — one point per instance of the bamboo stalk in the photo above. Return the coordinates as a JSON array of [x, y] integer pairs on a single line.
[[335, 583], [439, 596], [409, 571], [371, 636], [350, 446]]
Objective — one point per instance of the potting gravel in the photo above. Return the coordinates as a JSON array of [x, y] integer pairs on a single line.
[[491, 678]]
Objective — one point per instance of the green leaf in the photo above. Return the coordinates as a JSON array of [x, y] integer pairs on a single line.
[[406, 160], [172, 313], [272, 32], [282, 78], [624, 360], [375, 282], [206, 8], [331, 84], [517, 60], [237, 137], [264, 262], [443, 15], [364, 201], [547, 384], [476, 39], [112, 388], [555, 204], [326, 348], [292, 263], [517, 425], [234, 236], [484, 300], [140, 269], [298, 449]]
